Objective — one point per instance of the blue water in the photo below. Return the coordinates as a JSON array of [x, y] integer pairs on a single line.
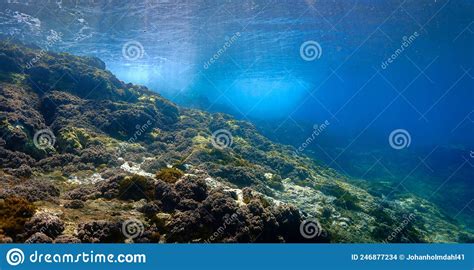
[[261, 76]]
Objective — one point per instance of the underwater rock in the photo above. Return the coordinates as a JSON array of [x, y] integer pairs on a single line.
[[95, 62], [192, 187], [150, 235], [81, 193], [135, 169], [187, 204], [7, 63], [289, 220], [45, 223], [14, 159], [5, 239], [74, 204], [37, 238], [85, 180], [14, 213], [19, 119], [150, 208], [34, 190], [100, 232], [135, 188], [166, 193], [97, 155], [240, 176], [465, 238], [153, 165], [66, 239], [50, 164], [24, 171], [110, 188], [186, 227], [162, 221], [169, 175], [262, 222], [220, 204]]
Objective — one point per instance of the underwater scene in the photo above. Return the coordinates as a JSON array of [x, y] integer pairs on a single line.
[[236, 121]]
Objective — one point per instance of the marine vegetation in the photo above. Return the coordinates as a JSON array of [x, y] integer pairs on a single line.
[[84, 157]]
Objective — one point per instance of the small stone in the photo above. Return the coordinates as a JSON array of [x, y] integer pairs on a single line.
[[39, 238], [74, 204], [45, 223], [66, 239], [163, 220]]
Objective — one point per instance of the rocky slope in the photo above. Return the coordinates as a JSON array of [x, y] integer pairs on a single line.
[[85, 157]]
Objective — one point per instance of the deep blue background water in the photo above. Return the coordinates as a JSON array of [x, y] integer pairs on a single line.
[[262, 74], [427, 90]]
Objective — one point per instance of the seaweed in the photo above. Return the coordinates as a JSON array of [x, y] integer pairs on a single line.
[[14, 213], [343, 197], [275, 182], [135, 188], [169, 175]]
